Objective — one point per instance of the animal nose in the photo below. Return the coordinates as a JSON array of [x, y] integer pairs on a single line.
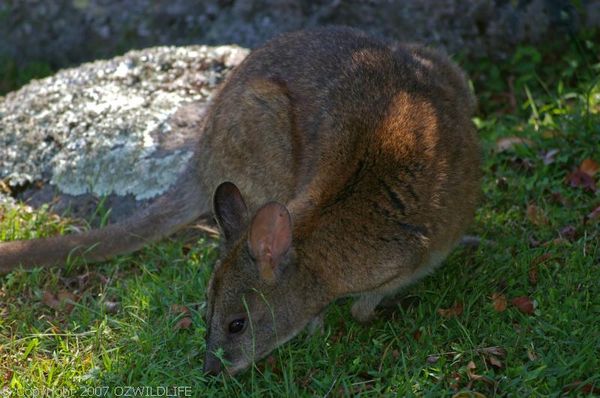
[[212, 364]]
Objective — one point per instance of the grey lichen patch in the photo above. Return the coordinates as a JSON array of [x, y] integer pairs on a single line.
[[107, 127]]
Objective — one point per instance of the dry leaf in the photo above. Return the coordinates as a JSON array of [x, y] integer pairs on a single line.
[[8, 376], [499, 301], [594, 215], [62, 301], [587, 388], [536, 215], [495, 362], [184, 323], [67, 299], [494, 350], [180, 309], [541, 259], [569, 232], [493, 355], [417, 335], [531, 354], [453, 311], [431, 359], [556, 241], [549, 157], [580, 179], [524, 304], [589, 167], [557, 198], [507, 143], [5, 188], [474, 377], [455, 380], [50, 300], [533, 275]]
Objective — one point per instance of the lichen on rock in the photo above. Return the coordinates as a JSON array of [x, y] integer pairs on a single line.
[[110, 127]]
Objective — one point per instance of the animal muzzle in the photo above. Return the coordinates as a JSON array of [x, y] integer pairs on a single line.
[[212, 364]]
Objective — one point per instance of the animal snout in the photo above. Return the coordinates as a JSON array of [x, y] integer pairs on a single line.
[[212, 364]]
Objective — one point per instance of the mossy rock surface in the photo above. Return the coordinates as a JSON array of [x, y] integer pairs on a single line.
[[123, 128]]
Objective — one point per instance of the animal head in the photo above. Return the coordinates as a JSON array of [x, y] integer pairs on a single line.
[[257, 296]]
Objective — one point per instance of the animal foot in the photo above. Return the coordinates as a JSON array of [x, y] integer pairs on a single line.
[[363, 309], [317, 325]]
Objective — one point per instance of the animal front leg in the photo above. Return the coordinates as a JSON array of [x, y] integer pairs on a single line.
[[363, 309]]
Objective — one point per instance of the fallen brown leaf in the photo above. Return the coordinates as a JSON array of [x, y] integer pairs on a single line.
[[556, 242], [50, 300], [180, 309], [533, 274], [531, 354], [536, 216], [494, 350], [507, 143], [63, 300], [8, 376], [587, 388], [593, 216], [417, 335], [455, 380], [495, 362], [533, 243], [499, 301], [580, 179], [568, 232], [431, 359], [83, 282], [541, 259], [549, 156], [589, 167], [474, 376], [183, 323], [4, 187], [523, 304], [557, 198], [453, 311], [67, 299]]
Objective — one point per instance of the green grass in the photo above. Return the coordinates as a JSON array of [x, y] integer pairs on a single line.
[[12, 77], [120, 328]]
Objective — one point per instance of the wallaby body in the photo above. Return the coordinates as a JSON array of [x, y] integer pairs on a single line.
[[356, 170]]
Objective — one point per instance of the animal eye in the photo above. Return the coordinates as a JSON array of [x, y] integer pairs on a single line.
[[237, 325]]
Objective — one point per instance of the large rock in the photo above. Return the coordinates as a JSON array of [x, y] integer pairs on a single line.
[[64, 32], [121, 129]]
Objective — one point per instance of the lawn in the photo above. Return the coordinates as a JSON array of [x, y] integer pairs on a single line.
[[519, 315]]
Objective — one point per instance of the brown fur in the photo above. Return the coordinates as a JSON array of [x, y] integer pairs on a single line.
[[371, 151]]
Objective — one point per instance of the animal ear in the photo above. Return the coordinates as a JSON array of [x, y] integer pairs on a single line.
[[230, 210], [270, 238]]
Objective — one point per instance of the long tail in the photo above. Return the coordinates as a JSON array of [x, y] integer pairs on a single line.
[[178, 207]]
